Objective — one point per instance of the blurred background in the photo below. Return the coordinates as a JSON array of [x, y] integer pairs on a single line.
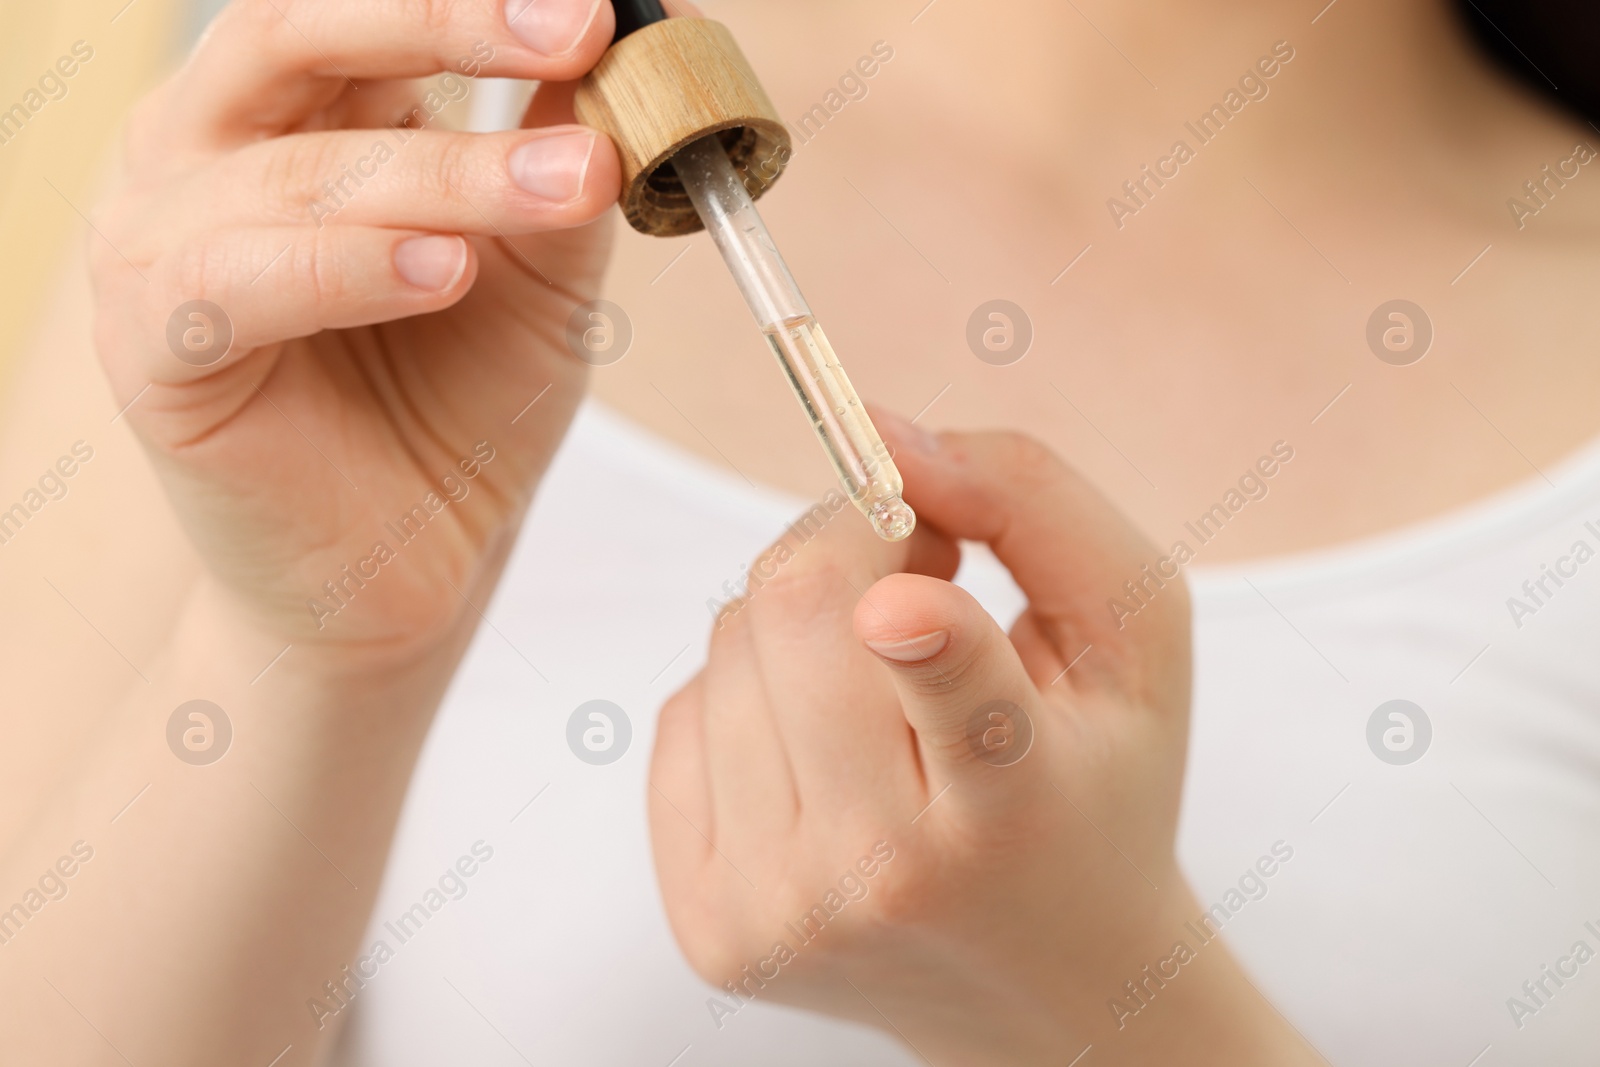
[[134, 44]]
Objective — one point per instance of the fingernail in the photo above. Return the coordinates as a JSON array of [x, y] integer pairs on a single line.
[[553, 167], [913, 649], [431, 263], [905, 432], [550, 27]]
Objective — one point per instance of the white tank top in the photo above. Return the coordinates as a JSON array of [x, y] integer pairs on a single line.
[[1428, 912]]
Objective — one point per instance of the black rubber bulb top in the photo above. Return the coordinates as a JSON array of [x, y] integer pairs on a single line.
[[636, 15]]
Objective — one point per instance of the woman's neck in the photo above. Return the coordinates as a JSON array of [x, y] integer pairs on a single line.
[[1192, 310], [1098, 87]]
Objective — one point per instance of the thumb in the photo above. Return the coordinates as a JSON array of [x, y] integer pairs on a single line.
[[961, 684], [1092, 579]]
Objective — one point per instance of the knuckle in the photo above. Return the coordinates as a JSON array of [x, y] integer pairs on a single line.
[[1030, 458], [803, 594], [260, 21], [898, 900], [1010, 463], [678, 705], [441, 18], [198, 270], [292, 171], [318, 262], [730, 628], [451, 168], [678, 715], [961, 672]]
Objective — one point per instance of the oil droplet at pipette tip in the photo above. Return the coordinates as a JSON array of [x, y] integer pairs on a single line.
[[893, 520]]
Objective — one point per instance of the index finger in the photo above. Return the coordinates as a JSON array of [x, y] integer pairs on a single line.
[[832, 706], [264, 66]]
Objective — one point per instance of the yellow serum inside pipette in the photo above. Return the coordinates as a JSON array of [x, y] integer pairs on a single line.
[[859, 456]]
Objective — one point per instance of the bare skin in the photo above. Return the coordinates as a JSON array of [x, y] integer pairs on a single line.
[[1206, 328], [1196, 336]]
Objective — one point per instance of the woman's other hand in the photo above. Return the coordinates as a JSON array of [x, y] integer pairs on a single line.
[[875, 803]]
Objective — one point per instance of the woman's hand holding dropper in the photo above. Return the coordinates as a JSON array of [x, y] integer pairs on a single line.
[[351, 463]]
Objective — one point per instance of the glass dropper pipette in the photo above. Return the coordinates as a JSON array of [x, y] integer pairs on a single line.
[[857, 453]]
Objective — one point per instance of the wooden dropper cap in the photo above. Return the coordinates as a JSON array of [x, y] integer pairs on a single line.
[[664, 83]]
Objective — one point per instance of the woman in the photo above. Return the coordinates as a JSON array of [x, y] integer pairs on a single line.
[[1216, 347]]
